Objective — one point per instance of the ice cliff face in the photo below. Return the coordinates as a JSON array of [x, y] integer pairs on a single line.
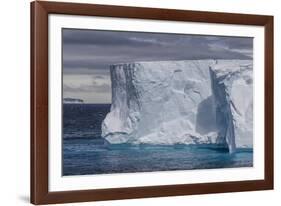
[[232, 86], [181, 102]]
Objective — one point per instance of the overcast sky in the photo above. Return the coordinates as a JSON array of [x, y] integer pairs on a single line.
[[87, 55]]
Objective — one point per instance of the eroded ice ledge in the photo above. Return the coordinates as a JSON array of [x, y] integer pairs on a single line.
[[181, 102]]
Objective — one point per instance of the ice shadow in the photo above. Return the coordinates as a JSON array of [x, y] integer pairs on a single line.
[[206, 116]]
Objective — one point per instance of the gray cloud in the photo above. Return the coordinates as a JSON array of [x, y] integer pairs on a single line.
[[93, 51], [105, 38], [236, 43], [88, 88]]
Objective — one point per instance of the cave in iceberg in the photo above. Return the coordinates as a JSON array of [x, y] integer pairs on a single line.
[[208, 102]]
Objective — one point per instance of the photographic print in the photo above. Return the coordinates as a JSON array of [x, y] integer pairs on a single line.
[[134, 102], [144, 102]]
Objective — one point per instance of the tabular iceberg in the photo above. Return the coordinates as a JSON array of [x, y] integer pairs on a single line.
[[181, 102]]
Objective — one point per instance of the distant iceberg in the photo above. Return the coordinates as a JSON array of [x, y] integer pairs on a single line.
[[182, 102], [72, 101]]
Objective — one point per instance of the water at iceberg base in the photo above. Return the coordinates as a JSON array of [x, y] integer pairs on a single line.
[[85, 152]]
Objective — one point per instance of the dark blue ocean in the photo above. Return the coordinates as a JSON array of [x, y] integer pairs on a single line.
[[85, 152]]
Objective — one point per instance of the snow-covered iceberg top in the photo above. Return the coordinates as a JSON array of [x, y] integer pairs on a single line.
[[181, 102]]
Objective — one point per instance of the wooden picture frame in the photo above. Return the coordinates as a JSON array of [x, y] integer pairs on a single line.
[[40, 193]]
